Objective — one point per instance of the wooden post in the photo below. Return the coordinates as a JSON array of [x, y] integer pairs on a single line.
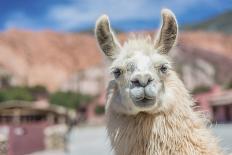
[[16, 116]]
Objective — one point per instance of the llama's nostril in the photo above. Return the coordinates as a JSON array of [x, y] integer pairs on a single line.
[[141, 80], [136, 83], [149, 81], [140, 83]]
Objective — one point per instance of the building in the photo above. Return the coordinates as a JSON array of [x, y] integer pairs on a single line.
[[96, 109], [217, 104], [27, 127]]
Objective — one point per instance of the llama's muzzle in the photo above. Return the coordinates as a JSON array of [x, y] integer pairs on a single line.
[[143, 96]]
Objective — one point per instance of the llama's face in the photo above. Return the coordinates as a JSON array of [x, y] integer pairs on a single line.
[[140, 72], [141, 66]]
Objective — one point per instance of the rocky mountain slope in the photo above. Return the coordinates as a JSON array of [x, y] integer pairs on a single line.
[[46, 58], [51, 58]]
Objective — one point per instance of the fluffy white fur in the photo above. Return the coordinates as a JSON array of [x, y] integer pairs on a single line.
[[169, 126]]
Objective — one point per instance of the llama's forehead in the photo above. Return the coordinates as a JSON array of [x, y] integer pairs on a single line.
[[141, 52], [140, 59], [143, 44]]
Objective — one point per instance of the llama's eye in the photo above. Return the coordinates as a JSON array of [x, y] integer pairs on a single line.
[[163, 68], [117, 72], [130, 67]]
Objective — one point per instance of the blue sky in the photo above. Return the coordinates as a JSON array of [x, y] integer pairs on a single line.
[[126, 15]]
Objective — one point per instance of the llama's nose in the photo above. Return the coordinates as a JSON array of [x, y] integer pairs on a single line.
[[141, 79]]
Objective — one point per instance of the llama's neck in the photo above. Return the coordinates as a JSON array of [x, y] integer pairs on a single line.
[[178, 132]]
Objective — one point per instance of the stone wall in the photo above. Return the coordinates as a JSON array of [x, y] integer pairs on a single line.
[[55, 137], [3, 145]]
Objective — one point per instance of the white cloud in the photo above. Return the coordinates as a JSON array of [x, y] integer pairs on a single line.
[[75, 14], [19, 20], [78, 13]]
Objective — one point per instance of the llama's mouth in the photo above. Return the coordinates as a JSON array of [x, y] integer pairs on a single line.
[[143, 97], [144, 102]]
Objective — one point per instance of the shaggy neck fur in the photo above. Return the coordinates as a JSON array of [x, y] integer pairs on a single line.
[[179, 131]]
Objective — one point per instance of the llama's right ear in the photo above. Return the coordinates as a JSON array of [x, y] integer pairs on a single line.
[[105, 37], [167, 36]]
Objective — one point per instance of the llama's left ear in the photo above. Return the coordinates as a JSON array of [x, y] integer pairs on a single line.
[[167, 36]]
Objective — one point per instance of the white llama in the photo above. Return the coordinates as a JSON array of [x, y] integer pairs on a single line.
[[149, 111]]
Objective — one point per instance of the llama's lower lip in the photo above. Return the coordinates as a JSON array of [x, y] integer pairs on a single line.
[[145, 102]]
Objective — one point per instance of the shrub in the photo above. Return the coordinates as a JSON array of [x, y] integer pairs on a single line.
[[5, 80], [16, 93], [69, 99], [38, 91], [229, 85], [100, 109], [201, 89]]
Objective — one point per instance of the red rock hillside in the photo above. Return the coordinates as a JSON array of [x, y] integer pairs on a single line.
[[46, 58], [50, 58]]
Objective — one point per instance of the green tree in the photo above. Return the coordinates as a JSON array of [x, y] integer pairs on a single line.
[[201, 89], [100, 109], [69, 99], [228, 85], [16, 93]]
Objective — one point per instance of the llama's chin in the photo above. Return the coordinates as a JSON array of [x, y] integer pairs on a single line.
[[144, 103]]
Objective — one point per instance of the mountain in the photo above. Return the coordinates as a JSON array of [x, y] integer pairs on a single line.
[[222, 22], [45, 58], [57, 60]]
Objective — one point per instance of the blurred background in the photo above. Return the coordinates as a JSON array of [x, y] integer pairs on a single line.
[[53, 77]]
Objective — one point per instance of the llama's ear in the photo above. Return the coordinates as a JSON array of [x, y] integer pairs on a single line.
[[105, 37], [168, 32]]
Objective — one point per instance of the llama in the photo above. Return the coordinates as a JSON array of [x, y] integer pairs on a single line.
[[148, 110]]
